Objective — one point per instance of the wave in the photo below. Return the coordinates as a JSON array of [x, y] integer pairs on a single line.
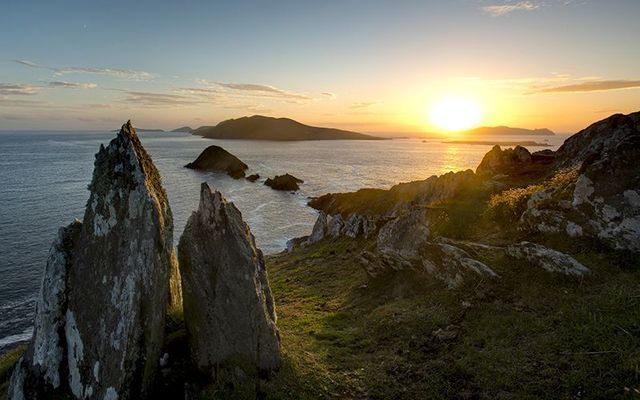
[[20, 337]]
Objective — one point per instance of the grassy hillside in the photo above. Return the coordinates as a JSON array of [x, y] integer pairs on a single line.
[[527, 335]]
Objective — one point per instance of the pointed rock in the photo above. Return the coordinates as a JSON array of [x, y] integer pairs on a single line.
[[228, 307], [102, 326]]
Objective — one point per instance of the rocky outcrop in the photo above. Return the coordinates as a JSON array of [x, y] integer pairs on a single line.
[[228, 307], [405, 234], [602, 200], [334, 226], [253, 177], [380, 203], [284, 182], [499, 161], [100, 317], [217, 159], [546, 258]]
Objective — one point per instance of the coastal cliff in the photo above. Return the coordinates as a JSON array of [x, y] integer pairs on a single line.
[[518, 280]]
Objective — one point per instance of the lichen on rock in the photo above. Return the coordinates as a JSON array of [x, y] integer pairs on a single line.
[[228, 307], [105, 288]]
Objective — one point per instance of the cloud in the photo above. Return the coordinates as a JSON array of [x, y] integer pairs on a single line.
[[362, 104], [497, 10], [7, 102], [159, 99], [7, 89], [262, 90], [71, 85], [591, 86], [117, 73], [28, 63], [328, 95]]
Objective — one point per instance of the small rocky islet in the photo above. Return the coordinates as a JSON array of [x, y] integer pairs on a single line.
[[216, 159], [490, 283]]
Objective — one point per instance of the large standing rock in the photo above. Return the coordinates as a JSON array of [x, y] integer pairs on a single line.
[[228, 307], [100, 318]]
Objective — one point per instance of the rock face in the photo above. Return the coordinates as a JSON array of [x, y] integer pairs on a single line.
[[603, 199], [228, 307], [284, 182], [217, 159], [100, 317]]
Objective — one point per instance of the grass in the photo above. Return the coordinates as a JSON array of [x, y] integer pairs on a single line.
[[528, 335], [7, 362]]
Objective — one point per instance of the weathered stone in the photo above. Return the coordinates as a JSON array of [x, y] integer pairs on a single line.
[[405, 234], [358, 225], [452, 264], [320, 229], [41, 366], [546, 258], [498, 161], [602, 201], [228, 307], [108, 312]]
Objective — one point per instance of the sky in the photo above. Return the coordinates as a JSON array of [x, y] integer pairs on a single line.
[[370, 66]]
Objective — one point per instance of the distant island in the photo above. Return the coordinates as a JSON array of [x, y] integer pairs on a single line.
[[506, 131], [187, 129], [259, 127]]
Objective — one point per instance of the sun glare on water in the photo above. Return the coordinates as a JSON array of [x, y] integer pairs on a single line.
[[456, 113]]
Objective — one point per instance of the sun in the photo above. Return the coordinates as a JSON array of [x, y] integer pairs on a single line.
[[456, 113]]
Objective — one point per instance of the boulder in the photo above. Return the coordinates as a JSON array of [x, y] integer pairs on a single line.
[[229, 311], [217, 159], [284, 182], [100, 318], [253, 177], [405, 234], [546, 258]]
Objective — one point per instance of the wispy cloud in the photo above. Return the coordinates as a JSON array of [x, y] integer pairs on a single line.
[[262, 90], [328, 95], [116, 73], [590, 86], [362, 104], [71, 85], [9, 89], [502, 9], [159, 99]]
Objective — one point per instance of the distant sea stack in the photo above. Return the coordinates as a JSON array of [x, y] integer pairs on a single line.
[[229, 311], [284, 182], [101, 311], [259, 127], [186, 129], [507, 131], [217, 159]]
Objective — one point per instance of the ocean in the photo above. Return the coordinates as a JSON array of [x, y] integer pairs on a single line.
[[44, 178]]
